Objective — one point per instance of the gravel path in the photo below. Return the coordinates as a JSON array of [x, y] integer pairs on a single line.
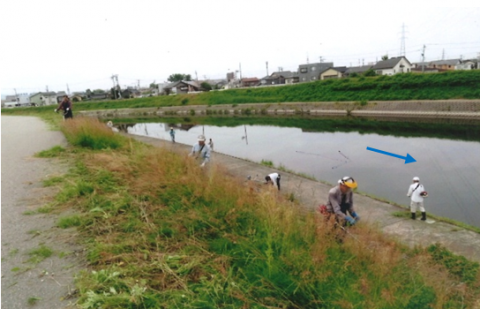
[[24, 282]]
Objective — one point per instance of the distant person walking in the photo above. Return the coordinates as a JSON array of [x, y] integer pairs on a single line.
[[417, 193], [340, 201], [274, 179], [172, 134], [201, 151], [210, 143], [66, 106]]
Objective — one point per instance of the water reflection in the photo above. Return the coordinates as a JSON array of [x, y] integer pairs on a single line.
[[449, 169]]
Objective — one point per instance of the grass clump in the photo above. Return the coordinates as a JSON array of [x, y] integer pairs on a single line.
[[39, 254], [53, 152], [91, 133], [161, 232]]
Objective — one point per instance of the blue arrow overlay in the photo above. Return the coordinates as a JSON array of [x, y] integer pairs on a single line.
[[408, 158]]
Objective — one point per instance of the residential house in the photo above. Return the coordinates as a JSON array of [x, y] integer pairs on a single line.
[[311, 71], [130, 93], [43, 98], [182, 86], [392, 66], [357, 70], [249, 82], [467, 65], [335, 72], [279, 78], [444, 65]]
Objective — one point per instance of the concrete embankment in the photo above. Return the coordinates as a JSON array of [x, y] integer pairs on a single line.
[[467, 110], [311, 193]]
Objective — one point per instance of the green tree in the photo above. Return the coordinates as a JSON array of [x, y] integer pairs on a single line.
[[206, 86], [153, 85], [178, 77], [385, 57], [369, 72], [98, 91]]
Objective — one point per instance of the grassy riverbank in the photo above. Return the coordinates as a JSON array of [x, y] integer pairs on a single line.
[[409, 86], [162, 233]]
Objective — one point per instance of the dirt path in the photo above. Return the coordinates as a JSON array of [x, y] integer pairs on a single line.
[[24, 282]]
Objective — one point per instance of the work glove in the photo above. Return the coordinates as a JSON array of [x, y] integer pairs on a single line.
[[355, 216], [55, 110], [68, 108], [202, 165], [350, 220]]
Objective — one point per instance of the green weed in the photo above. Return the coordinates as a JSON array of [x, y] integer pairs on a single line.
[[53, 152], [66, 222], [39, 254]]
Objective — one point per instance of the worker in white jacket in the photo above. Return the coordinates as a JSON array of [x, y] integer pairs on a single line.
[[417, 193], [201, 151], [274, 179]]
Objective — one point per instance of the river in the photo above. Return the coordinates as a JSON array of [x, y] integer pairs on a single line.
[[449, 169]]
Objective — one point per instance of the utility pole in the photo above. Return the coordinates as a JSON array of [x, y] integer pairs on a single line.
[[423, 59], [443, 54], [46, 88], [68, 90], [266, 64], [240, 70], [321, 59], [138, 81]]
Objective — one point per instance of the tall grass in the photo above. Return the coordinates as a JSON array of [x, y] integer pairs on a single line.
[[90, 133], [162, 233]]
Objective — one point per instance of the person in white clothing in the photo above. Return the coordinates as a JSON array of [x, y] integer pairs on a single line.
[[273, 178], [417, 192], [201, 151]]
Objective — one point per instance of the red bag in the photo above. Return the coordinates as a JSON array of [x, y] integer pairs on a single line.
[[323, 210]]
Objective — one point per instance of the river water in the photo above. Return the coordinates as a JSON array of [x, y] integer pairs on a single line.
[[449, 169]]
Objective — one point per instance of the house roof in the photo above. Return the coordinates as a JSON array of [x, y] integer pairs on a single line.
[[250, 79], [338, 69], [50, 93], [285, 74], [446, 62], [359, 69], [175, 84], [387, 64]]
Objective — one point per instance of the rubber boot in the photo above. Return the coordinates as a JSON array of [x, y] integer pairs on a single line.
[[424, 216], [414, 216]]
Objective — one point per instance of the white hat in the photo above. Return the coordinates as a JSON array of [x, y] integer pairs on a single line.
[[416, 178], [201, 138]]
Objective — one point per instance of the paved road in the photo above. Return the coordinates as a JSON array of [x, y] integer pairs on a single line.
[[48, 281], [311, 193]]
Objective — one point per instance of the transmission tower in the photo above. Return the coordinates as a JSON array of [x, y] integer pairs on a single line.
[[402, 42]]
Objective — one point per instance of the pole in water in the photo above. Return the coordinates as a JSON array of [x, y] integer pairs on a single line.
[[343, 155]]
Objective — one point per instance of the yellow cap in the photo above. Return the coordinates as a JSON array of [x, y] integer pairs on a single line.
[[349, 182]]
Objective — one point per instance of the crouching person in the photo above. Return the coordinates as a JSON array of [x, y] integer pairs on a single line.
[[273, 179], [340, 202]]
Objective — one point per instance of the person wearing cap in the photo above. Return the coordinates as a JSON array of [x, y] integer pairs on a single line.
[[340, 201], [66, 106], [172, 134], [201, 151], [273, 178], [416, 192]]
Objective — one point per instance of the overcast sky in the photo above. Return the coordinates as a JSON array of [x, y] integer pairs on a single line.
[[82, 43]]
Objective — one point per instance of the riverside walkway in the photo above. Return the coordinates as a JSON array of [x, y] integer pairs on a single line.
[[311, 193]]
